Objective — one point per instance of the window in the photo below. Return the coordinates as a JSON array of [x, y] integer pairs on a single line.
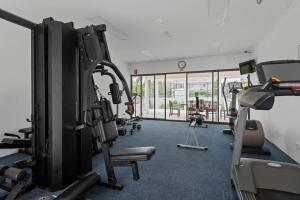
[[176, 96], [173, 96], [148, 96], [200, 85], [160, 96]]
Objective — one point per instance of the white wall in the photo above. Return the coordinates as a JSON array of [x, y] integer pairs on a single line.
[[15, 78], [228, 61], [281, 124]]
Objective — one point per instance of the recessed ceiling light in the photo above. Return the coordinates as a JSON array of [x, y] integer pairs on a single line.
[[168, 35], [147, 53], [158, 20], [214, 46]]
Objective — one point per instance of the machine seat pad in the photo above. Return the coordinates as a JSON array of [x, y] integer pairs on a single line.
[[134, 154], [17, 141], [11, 143], [27, 130]]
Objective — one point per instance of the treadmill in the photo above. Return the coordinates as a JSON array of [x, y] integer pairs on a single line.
[[256, 179]]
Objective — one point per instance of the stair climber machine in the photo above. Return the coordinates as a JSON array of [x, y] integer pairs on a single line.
[[254, 137], [196, 120], [265, 179], [234, 89], [66, 113]]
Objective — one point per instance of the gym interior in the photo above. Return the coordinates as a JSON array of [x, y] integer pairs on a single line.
[[140, 99]]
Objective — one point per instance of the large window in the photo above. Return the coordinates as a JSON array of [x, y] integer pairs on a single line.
[[148, 96], [160, 96], [173, 96], [200, 84], [176, 96]]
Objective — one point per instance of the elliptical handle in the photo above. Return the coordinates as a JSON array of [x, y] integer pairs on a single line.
[[223, 92]]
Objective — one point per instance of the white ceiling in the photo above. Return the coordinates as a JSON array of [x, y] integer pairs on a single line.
[[229, 26]]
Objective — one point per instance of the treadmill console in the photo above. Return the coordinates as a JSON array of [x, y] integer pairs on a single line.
[[285, 70]]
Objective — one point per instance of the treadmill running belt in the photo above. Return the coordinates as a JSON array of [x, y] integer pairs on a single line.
[[264, 194]]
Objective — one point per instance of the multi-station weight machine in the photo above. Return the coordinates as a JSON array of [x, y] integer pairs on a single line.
[[64, 105]]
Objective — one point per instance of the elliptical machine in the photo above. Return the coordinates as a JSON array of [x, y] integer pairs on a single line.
[[254, 136], [234, 88]]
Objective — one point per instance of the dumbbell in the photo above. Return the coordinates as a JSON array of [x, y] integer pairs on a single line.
[[139, 126], [3, 168], [14, 174]]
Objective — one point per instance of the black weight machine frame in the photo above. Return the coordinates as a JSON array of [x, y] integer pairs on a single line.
[[62, 61]]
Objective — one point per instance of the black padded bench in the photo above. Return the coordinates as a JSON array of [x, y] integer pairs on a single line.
[[106, 130], [134, 154], [14, 141], [130, 157], [26, 131]]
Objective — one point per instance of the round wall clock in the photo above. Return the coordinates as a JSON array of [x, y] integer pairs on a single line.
[[181, 65]]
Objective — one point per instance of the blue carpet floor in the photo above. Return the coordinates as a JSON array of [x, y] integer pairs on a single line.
[[173, 173]]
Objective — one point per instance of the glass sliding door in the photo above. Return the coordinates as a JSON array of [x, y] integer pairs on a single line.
[[173, 96], [160, 97], [148, 96], [136, 89], [232, 77], [200, 84], [176, 96]]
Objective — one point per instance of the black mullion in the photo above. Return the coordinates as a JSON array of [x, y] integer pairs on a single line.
[[212, 96], [165, 96], [154, 96], [218, 96], [141, 97]]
